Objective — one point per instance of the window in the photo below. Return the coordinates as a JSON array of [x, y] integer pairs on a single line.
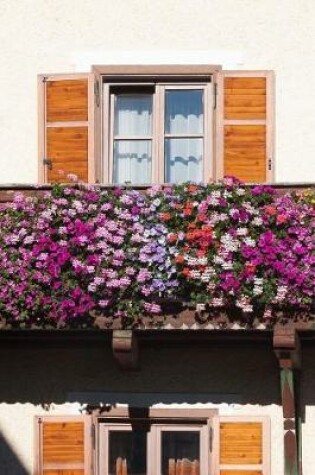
[[153, 441], [165, 442], [157, 133], [156, 124]]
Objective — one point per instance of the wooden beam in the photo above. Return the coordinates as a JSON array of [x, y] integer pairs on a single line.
[[125, 349], [287, 349]]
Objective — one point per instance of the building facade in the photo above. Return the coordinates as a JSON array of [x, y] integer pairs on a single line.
[[246, 68]]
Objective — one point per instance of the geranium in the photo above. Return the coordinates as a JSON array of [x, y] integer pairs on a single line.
[[80, 252]]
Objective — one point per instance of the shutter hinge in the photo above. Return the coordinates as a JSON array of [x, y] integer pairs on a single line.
[[97, 92], [215, 95], [269, 164], [48, 162], [44, 78], [93, 435]]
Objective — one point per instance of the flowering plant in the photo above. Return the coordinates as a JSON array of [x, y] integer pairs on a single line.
[[79, 252]]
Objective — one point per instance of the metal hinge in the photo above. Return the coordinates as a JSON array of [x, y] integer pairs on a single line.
[[269, 164], [97, 92], [48, 162], [215, 95]]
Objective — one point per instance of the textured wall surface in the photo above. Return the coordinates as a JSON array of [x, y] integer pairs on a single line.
[[230, 377], [54, 37]]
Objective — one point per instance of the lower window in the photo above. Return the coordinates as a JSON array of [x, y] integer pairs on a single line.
[[152, 441], [160, 444]]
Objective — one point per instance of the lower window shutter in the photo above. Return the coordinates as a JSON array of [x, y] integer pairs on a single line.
[[245, 129], [63, 445], [66, 128], [244, 446]]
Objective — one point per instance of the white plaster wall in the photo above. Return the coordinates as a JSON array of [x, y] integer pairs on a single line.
[[54, 36]]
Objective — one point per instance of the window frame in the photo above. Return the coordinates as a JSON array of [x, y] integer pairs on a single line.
[[159, 419], [160, 76]]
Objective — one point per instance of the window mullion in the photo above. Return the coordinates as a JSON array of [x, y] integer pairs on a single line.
[[106, 136], [159, 137], [208, 162]]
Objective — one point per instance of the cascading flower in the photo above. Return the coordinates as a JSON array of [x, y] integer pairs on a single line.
[[79, 252]]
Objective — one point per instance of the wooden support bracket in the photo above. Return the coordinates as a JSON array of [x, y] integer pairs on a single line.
[[125, 349], [287, 349]]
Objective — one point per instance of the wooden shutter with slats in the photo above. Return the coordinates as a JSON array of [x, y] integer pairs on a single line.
[[63, 445], [66, 127], [245, 130], [244, 446]]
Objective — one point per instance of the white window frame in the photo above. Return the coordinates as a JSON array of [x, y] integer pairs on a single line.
[[159, 420], [158, 134]]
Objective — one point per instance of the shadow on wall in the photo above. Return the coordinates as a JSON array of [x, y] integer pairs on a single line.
[[10, 463], [54, 371]]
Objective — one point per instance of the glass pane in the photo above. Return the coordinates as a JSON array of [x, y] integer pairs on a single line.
[[180, 452], [183, 160], [132, 161], [133, 114], [184, 112], [127, 452]]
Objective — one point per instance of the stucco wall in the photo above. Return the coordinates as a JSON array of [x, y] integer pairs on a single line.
[[229, 378], [57, 36]]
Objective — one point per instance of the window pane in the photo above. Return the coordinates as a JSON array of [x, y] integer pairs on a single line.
[[184, 112], [133, 114], [180, 452], [132, 161], [127, 452], [183, 160]]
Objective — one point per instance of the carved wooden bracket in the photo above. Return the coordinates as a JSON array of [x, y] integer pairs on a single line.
[[125, 349], [286, 345], [287, 349]]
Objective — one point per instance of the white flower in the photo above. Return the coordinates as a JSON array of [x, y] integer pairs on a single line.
[[257, 221], [242, 231], [250, 242], [202, 261], [257, 290], [227, 265], [218, 260]]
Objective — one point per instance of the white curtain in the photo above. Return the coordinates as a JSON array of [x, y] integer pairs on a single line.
[[183, 160], [132, 161], [132, 158], [184, 111], [183, 116]]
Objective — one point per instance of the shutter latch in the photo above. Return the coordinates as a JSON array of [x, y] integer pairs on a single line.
[[215, 94], [210, 439], [48, 162], [93, 435]]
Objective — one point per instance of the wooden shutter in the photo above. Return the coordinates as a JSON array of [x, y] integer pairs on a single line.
[[66, 127], [245, 130], [244, 446], [63, 445]]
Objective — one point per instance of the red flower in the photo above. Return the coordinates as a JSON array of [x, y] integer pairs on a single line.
[[202, 217], [165, 216], [281, 218], [271, 210], [179, 259], [172, 237], [186, 272]]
